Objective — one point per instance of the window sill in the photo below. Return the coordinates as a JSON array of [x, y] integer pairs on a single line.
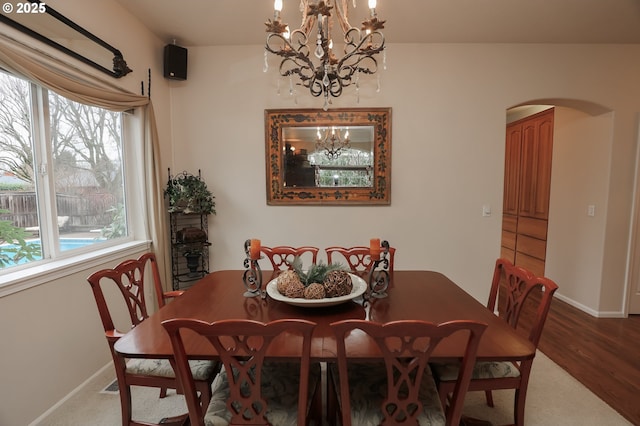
[[31, 277]]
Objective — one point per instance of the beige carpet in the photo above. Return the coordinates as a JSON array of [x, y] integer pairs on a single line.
[[555, 399]]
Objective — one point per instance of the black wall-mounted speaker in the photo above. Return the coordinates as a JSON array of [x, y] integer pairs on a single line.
[[175, 62]]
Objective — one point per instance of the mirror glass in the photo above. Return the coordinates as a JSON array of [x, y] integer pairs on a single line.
[[43, 23], [328, 157]]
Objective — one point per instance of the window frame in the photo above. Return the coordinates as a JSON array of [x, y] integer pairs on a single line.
[[62, 263]]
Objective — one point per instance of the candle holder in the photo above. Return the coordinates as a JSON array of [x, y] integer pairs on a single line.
[[252, 276], [379, 274]]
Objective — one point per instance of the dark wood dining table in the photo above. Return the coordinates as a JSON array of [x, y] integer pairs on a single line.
[[416, 295]]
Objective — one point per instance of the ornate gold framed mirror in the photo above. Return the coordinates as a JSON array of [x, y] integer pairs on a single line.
[[340, 156]]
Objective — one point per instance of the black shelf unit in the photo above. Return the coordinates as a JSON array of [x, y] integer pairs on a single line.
[[183, 273]]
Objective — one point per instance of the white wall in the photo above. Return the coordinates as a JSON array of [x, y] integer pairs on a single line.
[[449, 105], [579, 178]]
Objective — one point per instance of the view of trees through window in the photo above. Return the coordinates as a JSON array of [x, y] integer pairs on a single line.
[[61, 174]]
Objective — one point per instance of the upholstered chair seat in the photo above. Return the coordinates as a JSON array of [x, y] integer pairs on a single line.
[[368, 385], [201, 369], [482, 370], [280, 384]]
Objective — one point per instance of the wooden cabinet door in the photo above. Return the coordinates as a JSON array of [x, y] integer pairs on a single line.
[[513, 149], [535, 178], [527, 185]]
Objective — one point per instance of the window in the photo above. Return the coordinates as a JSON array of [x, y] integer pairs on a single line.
[[61, 175]]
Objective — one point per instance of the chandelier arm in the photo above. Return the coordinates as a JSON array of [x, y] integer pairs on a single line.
[[336, 86], [289, 49], [356, 43], [299, 56], [301, 71], [360, 52], [316, 87], [345, 72]]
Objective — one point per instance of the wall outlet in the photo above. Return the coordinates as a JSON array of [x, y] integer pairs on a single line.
[[591, 210]]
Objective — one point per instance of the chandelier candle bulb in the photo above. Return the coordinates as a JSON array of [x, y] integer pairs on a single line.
[[254, 250], [372, 7], [374, 249]]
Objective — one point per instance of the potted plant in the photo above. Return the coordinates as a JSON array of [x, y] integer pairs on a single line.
[[189, 194], [193, 256]]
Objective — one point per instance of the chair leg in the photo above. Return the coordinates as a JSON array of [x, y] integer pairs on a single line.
[[125, 403], [205, 394], [489, 397], [444, 391], [519, 403], [163, 392], [316, 406], [332, 402]]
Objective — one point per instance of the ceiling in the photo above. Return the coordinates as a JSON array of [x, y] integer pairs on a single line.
[[241, 22]]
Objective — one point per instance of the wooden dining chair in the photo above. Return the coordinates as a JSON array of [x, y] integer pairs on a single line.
[[357, 258], [281, 257], [399, 390], [129, 277], [162, 296], [523, 301], [252, 389]]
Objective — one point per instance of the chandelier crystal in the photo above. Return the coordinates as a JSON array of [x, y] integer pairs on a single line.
[[312, 60]]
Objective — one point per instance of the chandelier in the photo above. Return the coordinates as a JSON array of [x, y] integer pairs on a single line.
[[331, 142], [313, 62]]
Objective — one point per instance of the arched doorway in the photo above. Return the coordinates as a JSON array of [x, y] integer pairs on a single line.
[[578, 196]]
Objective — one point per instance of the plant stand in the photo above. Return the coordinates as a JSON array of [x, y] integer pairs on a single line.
[[189, 256]]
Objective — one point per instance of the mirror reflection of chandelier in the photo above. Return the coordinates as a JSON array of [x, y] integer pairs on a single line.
[[298, 49], [331, 141]]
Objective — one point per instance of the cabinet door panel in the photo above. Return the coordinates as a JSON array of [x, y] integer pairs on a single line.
[[509, 222], [508, 254], [543, 175], [512, 170], [509, 240], [536, 266], [536, 228], [535, 180], [532, 247]]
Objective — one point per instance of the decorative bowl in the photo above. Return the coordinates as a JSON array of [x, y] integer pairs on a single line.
[[359, 287]]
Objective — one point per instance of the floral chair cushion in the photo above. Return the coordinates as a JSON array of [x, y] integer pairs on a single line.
[[482, 370], [368, 384], [280, 384], [200, 369]]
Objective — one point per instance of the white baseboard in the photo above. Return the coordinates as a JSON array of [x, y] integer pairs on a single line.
[[588, 310], [44, 415]]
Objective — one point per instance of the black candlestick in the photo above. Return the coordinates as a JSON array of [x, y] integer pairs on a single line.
[[379, 278], [252, 276]]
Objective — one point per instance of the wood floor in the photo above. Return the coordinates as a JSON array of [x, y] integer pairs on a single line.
[[602, 353]]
